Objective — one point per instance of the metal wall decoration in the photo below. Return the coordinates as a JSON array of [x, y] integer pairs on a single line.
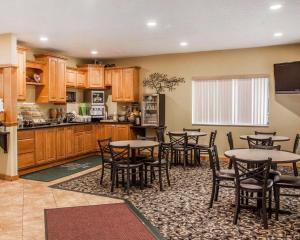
[[160, 82]]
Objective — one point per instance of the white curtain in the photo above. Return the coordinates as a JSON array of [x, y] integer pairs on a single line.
[[230, 101]]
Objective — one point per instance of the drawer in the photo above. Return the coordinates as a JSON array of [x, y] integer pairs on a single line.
[[25, 134], [26, 160], [25, 146]]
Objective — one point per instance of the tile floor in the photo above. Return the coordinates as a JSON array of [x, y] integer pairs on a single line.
[[22, 205]]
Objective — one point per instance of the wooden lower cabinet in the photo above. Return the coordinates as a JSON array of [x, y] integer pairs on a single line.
[[42, 146], [61, 143]]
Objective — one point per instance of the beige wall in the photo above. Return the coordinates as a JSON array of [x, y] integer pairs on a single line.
[[284, 109]]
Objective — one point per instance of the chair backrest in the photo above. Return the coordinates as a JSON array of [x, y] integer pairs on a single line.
[[163, 152], [146, 150], [265, 133], [296, 143], [192, 139], [178, 139], [260, 172], [266, 147], [160, 133], [103, 144], [120, 153], [212, 138], [230, 140], [267, 141], [214, 159]]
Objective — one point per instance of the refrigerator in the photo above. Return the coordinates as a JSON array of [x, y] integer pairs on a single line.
[[153, 110]]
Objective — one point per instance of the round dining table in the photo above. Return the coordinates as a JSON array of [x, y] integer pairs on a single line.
[[135, 144], [263, 137], [191, 133], [262, 154]]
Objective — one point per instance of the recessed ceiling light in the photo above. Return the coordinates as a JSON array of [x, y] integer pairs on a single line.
[[43, 39], [151, 24], [275, 7], [183, 44], [278, 34], [94, 52]]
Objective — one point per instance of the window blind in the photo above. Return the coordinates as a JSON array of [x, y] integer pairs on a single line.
[[240, 101]]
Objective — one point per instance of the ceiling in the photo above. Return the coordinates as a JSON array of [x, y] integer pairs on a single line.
[[117, 28]]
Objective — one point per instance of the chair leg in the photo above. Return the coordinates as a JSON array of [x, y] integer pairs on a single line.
[[270, 204], [160, 179], [128, 181], [264, 212], [102, 174], [295, 169], [237, 206], [230, 164], [277, 201], [146, 175], [141, 173], [217, 190], [168, 176], [213, 190], [113, 178], [151, 175], [123, 178]]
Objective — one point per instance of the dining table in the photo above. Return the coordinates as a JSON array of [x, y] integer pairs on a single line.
[[275, 138], [191, 133], [262, 154]]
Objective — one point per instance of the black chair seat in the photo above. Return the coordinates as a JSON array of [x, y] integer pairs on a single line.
[[287, 181], [107, 160], [226, 174], [156, 162], [203, 146], [181, 148], [254, 185], [125, 165]]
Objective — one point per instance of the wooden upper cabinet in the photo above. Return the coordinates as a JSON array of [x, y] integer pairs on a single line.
[[125, 85], [21, 74], [107, 77], [95, 76], [71, 77], [81, 79], [54, 88]]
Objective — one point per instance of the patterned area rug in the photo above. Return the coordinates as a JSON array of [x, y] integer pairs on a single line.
[[181, 211]]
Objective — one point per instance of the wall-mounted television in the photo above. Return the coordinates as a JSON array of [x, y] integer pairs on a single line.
[[287, 77]]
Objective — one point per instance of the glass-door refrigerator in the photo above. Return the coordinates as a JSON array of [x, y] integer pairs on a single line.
[[153, 110]]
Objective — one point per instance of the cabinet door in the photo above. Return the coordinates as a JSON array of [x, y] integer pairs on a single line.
[[61, 81], [108, 130], [121, 132], [70, 146], [60, 143], [51, 144], [71, 78], [96, 77], [81, 79], [107, 77], [40, 146], [127, 84], [21, 76], [52, 79], [117, 86], [79, 146], [89, 141]]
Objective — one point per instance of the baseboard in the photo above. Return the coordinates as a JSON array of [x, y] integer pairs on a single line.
[[8, 178]]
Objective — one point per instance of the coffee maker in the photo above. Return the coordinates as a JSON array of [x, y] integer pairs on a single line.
[[96, 100]]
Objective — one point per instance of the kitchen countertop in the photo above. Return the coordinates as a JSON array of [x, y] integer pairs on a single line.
[[70, 124]]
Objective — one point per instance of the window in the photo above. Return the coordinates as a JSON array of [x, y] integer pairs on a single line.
[[231, 101]]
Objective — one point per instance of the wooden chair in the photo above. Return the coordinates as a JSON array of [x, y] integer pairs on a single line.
[[160, 164], [105, 156], [121, 161], [253, 180], [218, 175], [193, 142], [295, 148], [160, 133], [179, 146]]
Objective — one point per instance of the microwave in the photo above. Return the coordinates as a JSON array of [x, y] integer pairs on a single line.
[[95, 97]]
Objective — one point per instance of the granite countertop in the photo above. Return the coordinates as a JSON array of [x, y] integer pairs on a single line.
[[70, 124]]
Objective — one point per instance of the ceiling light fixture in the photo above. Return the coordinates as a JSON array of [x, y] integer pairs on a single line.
[[151, 24], [43, 39], [275, 7], [183, 44], [278, 34], [94, 52]]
